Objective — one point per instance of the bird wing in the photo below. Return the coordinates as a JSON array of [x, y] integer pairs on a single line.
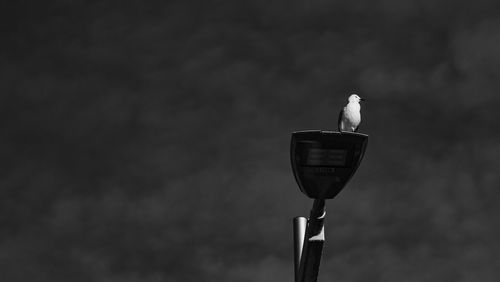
[[339, 122]]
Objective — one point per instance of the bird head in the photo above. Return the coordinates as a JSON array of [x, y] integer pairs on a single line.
[[354, 98]]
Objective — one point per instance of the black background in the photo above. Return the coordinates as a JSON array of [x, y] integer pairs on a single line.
[[148, 141]]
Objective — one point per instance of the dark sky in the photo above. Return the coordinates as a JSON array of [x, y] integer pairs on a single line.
[[150, 142]]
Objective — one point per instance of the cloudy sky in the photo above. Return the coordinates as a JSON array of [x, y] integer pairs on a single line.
[[149, 142]]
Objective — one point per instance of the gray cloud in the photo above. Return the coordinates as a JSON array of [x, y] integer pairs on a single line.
[[150, 142]]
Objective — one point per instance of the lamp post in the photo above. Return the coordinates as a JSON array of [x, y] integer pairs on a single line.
[[322, 163]]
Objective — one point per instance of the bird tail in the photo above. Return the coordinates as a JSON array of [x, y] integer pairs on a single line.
[[340, 122]]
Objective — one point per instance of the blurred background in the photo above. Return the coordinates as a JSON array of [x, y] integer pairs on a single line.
[[149, 141]]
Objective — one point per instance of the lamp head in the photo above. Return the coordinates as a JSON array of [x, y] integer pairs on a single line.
[[324, 161]]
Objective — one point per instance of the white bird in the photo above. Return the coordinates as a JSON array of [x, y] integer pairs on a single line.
[[350, 115]]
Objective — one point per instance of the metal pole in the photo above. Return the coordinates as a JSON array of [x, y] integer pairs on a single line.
[[313, 243], [299, 232]]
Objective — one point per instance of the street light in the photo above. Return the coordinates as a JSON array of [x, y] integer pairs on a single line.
[[322, 163]]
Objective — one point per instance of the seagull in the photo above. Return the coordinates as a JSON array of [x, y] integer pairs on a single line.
[[350, 115]]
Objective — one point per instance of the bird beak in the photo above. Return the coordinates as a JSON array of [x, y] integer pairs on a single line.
[[362, 99]]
